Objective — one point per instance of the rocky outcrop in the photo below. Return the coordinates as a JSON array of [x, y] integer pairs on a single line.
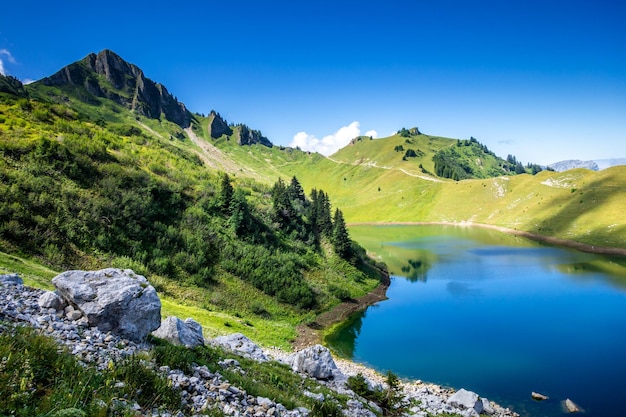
[[315, 361], [538, 397], [249, 136], [218, 126], [12, 85], [125, 84], [114, 300], [240, 344], [178, 332]]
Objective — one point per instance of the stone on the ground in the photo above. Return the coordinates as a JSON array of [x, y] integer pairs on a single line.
[[487, 407], [538, 397], [114, 300], [571, 407], [184, 333], [11, 279], [240, 344], [50, 299], [315, 361], [466, 399]]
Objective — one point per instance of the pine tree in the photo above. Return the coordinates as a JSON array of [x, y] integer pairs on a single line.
[[295, 191], [324, 223], [226, 194], [341, 238]]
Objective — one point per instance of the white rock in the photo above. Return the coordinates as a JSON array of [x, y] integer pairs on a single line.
[[185, 333], [113, 300], [315, 361], [466, 400], [50, 299], [571, 407], [487, 408], [241, 345]]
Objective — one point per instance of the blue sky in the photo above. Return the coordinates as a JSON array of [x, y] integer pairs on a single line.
[[542, 80]]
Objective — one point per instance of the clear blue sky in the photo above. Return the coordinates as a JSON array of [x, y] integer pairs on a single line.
[[542, 80]]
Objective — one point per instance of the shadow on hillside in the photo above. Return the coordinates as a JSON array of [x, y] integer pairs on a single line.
[[580, 202]]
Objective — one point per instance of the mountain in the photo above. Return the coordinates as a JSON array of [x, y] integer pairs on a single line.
[[12, 85], [107, 75], [607, 163], [573, 164], [90, 178]]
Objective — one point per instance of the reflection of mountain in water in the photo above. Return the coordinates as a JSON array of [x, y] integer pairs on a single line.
[[415, 270]]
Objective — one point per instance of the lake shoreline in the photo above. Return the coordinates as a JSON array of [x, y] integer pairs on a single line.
[[572, 244], [309, 334]]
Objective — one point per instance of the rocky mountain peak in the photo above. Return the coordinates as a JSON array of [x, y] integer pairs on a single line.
[[218, 126], [107, 75]]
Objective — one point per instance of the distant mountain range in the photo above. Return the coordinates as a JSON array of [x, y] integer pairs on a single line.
[[593, 165]]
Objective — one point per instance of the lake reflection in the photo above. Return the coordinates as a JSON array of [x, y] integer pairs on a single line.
[[496, 314]]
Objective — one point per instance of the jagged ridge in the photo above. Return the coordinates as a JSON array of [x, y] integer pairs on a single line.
[[107, 75]]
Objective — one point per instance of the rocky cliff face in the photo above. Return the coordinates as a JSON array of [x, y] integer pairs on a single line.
[[249, 136], [12, 85], [218, 126], [109, 76]]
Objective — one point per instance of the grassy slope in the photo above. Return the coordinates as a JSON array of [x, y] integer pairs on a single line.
[[371, 183], [228, 304]]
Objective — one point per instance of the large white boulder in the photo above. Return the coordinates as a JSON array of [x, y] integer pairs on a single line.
[[240, 344], [114, 300], [315, 361], [185, 333], [466, 400]]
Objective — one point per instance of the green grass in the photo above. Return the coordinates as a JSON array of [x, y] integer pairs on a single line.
[[39, 378]]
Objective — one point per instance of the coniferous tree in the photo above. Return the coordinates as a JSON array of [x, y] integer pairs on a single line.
[[324, 222], [295, 191], [239, 219], [341, 238], [226, 194]]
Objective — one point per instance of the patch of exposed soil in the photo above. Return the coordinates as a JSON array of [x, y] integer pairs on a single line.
[[309, 334]]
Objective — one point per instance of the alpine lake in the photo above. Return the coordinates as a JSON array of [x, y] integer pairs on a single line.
[[496, 314]]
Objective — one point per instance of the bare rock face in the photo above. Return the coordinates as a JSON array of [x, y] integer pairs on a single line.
[[186, 333], [218, 126], [125, 84], [315, 361], [114, 300]]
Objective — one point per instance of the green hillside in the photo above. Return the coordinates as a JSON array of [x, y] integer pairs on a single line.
[[95, 185]]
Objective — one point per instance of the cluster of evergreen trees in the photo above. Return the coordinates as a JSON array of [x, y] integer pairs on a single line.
[[310, 220]]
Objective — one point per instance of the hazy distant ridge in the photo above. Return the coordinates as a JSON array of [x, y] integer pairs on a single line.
[[593, 165]]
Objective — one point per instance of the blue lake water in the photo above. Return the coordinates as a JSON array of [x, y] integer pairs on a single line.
[[498, 315]]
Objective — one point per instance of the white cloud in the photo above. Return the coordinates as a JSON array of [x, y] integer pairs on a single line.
[[329, 144], [6, 53], [28, 81], [371, 133]]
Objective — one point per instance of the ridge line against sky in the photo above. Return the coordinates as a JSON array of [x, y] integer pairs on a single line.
[[544, 81]]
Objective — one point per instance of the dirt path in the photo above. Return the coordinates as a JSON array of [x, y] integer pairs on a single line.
[[310, 334]]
